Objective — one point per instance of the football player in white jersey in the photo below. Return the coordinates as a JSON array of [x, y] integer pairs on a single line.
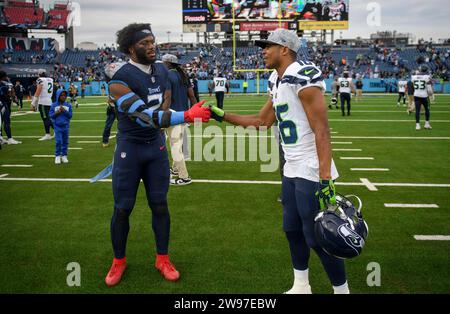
[[43, 99], [297, 102], [346, 88], [220, 87], [421, 82], [402, 85]]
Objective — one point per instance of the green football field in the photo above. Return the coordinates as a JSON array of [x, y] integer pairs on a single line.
[[226, 231]]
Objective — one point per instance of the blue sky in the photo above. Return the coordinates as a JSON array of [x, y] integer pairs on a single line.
[[101, 19]]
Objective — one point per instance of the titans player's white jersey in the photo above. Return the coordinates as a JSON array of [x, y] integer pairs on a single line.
[[402, 86], [345, 85], [297, 138], [420, 85], [45, 98]]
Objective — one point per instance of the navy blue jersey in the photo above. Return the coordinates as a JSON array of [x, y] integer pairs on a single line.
[[180, 101], [149, 87], [5, 89]]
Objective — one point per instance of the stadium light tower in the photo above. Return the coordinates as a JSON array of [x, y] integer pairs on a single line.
[[168, 36]]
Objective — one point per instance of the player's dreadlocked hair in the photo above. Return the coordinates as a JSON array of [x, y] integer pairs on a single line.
[[184, 76], [126, 36]]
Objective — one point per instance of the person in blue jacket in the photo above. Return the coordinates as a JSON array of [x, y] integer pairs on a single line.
[[61, 114]]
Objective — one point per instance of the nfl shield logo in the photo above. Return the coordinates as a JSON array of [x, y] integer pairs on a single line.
[[123, 155], [153, 79]]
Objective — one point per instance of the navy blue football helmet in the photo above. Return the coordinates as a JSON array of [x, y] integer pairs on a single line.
[[341, 231], [424, 69]]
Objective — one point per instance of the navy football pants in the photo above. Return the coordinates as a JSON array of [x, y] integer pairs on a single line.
[[133, 162], [419, 101], [300, 207], [346, 98]]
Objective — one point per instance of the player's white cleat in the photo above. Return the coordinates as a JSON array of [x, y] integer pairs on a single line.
[[12, 141], [2, 141], [427, 126], [46, 137], [180, 181], [300, 289], [417, 126], [64, 160], [57, 160]]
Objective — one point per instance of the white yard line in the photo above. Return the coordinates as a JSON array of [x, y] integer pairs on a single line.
[[72, 121], [43, 156], [432, 237], [364, 182], [411, 205], [76, 136], [75, 148], [357, 158], [373, 120], [240, 136], [369, 169], [391, 138], [17, 166], [4, 175], [347, 150]]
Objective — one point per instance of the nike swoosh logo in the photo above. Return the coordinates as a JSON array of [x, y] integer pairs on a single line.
[[309, 72]]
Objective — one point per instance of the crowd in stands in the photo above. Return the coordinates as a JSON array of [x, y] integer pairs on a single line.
[[206, 62], [89, 69]]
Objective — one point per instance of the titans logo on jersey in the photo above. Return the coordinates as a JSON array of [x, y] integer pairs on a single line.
[[150, 87]]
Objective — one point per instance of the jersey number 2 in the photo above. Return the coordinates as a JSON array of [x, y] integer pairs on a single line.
[[288, 130]]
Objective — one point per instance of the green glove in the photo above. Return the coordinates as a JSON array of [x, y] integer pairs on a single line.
[[217, 113], [326, 194]]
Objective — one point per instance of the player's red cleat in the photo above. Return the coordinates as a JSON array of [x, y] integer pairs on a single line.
[[116, 271], [166, 268]]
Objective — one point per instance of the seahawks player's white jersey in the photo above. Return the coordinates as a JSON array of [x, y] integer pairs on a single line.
[[420, 85], [220, 84], [345, 85], [45, 98], [297, 138], [402, 86]]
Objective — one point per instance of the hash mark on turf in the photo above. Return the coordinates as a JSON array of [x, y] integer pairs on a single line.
[[369, 169], [370, 186], [432, 237], [411, 205]]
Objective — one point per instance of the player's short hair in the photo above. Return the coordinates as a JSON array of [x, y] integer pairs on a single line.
[[126, 36], [3, 74]]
